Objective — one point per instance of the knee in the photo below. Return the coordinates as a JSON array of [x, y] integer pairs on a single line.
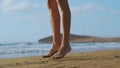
[[51, 4], [61, 1], [63, 5]]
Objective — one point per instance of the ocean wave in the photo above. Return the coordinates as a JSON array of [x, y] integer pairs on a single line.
[[16, 48], [37, 48], [25, 50]]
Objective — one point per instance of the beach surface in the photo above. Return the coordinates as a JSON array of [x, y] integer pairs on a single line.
[[96, 59]]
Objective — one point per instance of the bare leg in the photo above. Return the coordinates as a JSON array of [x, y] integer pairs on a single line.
[[66, 21], [55, 23]]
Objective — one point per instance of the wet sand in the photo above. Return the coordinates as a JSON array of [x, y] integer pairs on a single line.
[[97, 59]]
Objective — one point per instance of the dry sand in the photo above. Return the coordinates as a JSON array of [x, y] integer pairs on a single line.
[[97, 59]]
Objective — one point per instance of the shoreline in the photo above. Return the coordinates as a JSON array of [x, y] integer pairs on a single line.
[[95, 59], [26, 50]]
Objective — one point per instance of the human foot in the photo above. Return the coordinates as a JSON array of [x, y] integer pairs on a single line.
[[50, 53], [63, 50]]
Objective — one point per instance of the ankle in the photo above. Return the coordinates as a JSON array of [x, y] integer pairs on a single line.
[[65, 43], [55, 46]]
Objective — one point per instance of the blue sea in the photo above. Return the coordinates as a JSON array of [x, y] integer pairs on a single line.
[[16, 50]]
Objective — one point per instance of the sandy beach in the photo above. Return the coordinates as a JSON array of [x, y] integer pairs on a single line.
[[97, 59]]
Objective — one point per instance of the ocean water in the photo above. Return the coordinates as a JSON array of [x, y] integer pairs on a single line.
[[15, 50]]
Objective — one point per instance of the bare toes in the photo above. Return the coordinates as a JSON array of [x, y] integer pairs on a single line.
[[57, 56], [50, 53]]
